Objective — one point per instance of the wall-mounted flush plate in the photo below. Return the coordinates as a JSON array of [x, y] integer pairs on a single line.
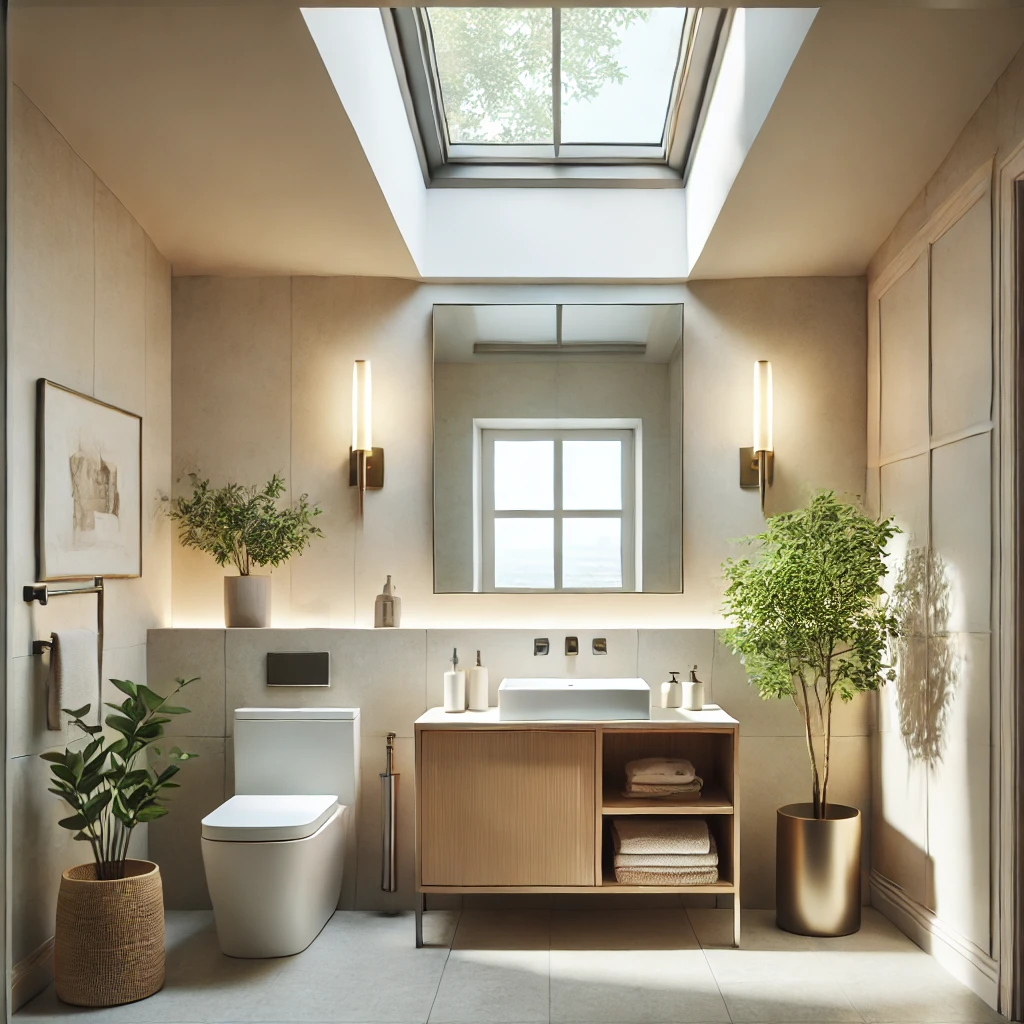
[[541, 646], [600, 645], [572, 645], [299, 668]]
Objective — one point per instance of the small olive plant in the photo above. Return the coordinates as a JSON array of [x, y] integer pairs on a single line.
[[245, 525], [107, 788], [810, 618]]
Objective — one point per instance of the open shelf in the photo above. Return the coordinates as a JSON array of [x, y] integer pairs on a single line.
[[712, 800]]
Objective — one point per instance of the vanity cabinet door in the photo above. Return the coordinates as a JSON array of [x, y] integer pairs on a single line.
[[507, 807]]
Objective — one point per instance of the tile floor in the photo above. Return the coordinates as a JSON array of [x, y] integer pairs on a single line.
[[568, 967]]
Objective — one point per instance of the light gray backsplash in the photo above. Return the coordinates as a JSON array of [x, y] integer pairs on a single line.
[[395, 675]]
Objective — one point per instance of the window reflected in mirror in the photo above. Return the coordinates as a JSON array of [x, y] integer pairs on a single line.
[[558, 448]]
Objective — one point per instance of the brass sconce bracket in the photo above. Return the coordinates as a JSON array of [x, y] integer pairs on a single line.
[[754, 473], [374, 469]]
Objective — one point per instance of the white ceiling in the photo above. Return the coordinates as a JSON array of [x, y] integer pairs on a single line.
[[220, 130], [873, 102]]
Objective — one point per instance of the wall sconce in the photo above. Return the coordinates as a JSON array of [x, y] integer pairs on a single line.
[[365, 463], [757, 461]]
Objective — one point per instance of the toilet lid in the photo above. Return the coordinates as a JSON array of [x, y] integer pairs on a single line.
[[261, 819]]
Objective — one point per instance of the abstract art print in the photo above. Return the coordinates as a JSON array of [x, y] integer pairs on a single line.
[[89, 512]]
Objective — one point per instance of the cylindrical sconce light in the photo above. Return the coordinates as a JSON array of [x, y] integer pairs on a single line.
[[366, 463], [757, 461]]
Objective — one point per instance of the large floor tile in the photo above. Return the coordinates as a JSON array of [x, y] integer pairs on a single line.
[[640, 987], [916, 997], [485, 986], [758, 930], [488, 929], [617, 929], [790, 1000]]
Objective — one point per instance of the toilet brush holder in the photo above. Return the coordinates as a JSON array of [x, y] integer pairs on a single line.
[[388, 813]]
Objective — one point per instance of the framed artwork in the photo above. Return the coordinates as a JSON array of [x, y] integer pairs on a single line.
[[89, 486]]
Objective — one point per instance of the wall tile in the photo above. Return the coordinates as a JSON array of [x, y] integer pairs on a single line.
[[961, 577], [185, 653], [905, 497], [120, 254], [380, 671], [959, 824], [903, 313], [660, 651], [961, 345], [174, 840], [509, 653]]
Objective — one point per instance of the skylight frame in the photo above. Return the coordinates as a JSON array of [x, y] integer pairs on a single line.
[[445, 162]]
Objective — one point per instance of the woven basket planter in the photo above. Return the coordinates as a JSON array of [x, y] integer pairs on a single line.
[[108, 947]]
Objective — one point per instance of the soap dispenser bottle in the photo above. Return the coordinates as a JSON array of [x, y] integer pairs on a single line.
[[477, 688], [387, 609], [455, 686], [672, 692], [693, 692]]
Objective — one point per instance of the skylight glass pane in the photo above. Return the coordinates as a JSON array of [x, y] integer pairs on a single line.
[[592, 553], [524, 553], [618, 67], [494, 66], [524, 475], [592, 474]]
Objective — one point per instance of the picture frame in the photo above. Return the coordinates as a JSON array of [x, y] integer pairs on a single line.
[[88, 487]]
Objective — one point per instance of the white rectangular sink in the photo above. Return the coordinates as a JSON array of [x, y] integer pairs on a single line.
[[573, 700]]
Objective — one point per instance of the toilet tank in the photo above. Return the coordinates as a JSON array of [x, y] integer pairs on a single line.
[[300, 751]]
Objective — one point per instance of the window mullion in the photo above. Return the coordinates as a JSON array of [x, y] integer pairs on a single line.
[[556, 77]]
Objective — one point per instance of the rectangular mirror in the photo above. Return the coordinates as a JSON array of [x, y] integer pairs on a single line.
[[558, 449]]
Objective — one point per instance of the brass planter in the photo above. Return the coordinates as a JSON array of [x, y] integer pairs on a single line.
[[817, 870]]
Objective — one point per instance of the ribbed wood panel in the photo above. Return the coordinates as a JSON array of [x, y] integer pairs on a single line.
[[507, 808]]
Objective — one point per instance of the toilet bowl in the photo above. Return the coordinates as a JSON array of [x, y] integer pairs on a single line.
[[274, 866], [275, 853]]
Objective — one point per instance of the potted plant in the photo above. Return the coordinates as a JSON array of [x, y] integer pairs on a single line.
[[108, 946], [811, 624], [246, 527]]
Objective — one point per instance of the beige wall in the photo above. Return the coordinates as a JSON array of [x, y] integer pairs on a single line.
[[932, 453], [262, 384], [89, 307]]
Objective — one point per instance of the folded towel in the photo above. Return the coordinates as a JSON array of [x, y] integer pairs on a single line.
[[668, 860], [661, 835], [683, 790], [666, 876], [660, 769], [74, 676]]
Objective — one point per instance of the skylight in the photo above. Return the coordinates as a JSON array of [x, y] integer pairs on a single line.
[[550, 86]]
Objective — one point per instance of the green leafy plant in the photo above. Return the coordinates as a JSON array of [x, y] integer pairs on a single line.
[[810, 618], [495, 66], [245, 525], [108, 790]]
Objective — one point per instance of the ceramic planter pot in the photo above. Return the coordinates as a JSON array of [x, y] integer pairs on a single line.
[[108, 946], [247, 602], [817, 870]]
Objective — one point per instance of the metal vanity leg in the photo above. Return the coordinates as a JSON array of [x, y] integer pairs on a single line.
[[421, 900], [736, 920]]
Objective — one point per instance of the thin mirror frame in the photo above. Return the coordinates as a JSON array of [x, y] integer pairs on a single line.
[[433, 450]]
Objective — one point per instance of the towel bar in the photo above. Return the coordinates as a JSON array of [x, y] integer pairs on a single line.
[[41, 592]]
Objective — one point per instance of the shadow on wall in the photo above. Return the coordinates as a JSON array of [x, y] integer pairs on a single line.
[[927, 659]]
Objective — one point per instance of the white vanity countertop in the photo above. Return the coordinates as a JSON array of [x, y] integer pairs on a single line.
[[712, 715]]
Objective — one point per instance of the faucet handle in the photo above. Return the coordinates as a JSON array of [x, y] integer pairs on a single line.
[[541, 646]]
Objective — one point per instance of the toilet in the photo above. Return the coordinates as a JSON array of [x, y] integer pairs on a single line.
[[275, 853]]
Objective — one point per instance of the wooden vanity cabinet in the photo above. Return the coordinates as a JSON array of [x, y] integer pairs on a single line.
[[507, 807]]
